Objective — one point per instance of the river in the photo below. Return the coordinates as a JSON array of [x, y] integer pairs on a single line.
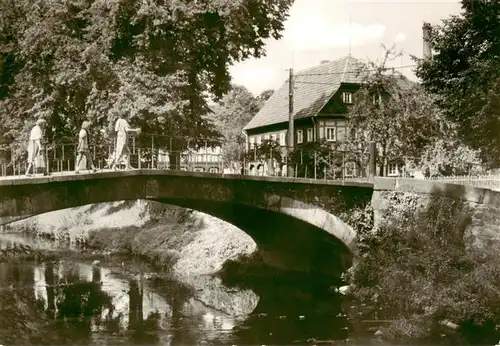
[[117, 300]]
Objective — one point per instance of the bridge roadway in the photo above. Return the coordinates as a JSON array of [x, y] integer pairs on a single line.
[[108, 173]]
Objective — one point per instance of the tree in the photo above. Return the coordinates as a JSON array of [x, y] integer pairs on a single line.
[[67, 61], [398, 115], [315, 159], [464, 74], [231, 114], [268, 151], [448, 156]]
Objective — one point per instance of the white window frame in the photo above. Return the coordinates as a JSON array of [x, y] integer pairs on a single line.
[[392, 169], [266, 137], [251, 142], [300, 136], [310, 134], [282, 138], [347, 97], [259, 140], [273, 137], [334, 128]]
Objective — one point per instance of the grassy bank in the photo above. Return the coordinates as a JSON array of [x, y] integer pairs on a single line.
[[417, 267], [159, 240], [186, 241]]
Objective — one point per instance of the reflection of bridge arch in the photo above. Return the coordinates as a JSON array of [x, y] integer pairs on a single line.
[[293, 223]]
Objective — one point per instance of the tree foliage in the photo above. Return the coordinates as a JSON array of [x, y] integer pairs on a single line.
[[464, 73], [267, 150], [420, 267], [316, 159], [401, 117], [231, 114], [448, 156], [66, 61]]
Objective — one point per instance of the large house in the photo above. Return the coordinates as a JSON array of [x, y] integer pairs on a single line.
[[322, 96]]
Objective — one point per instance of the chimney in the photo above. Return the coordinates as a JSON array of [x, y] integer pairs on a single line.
[[324, 62], [427, 49]]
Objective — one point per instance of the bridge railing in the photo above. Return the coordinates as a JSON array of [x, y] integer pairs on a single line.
[[159, 152], [148, 151], [489, 181], [62, 157]]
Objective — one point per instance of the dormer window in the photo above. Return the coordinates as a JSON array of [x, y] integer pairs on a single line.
[[347, 97]]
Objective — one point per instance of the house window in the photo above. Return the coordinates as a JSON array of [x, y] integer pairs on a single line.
[[266, 137], [310, 136], [300, 136], [273, 137], [213, 170], [259, 140], [282, 138], [251, 141], [392, 169], [347, 97], [330, 134]]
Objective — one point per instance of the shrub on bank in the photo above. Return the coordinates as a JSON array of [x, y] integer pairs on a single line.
[[417, 268]]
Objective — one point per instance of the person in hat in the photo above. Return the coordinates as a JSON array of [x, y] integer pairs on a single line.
[[122, 128], [35, 146], [83, 148]]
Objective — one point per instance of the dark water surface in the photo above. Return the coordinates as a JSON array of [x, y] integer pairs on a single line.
[[120, 301]]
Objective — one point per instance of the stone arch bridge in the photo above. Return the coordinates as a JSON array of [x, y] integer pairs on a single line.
[[297, 224]]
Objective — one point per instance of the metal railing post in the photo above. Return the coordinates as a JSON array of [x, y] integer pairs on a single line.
[[152, 151], [315, 162], [139, 165]]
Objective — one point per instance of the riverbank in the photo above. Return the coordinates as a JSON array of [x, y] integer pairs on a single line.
[[186, 241], [420, 265]]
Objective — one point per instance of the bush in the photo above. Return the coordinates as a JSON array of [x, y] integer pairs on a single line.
[[416, 266]]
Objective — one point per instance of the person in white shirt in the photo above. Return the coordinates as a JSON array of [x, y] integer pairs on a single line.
[[122, 128], [35, 146], [83, 148]]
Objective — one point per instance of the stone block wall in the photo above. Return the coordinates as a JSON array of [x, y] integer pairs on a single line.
[[391, 199]]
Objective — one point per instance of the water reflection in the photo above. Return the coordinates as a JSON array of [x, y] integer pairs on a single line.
[[115, 301], [69, 302], [288, 314]]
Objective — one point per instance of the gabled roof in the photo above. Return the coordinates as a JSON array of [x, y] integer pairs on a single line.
[[314, 87]]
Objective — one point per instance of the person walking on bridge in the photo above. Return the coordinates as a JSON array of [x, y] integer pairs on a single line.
[[122, 128], [35, 146], [83, 148]]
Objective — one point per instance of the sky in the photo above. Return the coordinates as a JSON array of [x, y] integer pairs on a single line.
[[319, 30]]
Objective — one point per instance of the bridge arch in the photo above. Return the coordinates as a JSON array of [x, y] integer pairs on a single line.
[[293, 224]]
